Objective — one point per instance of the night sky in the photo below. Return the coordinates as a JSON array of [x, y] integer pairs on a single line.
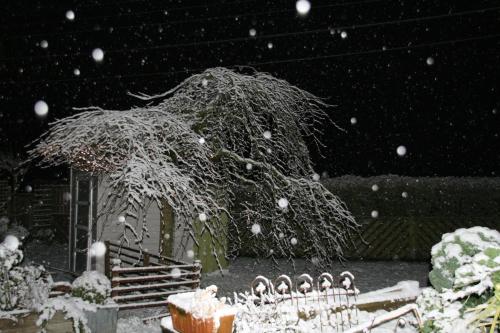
[[423, 74]]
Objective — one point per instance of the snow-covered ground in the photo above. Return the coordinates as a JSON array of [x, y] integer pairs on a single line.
[[369, 275]]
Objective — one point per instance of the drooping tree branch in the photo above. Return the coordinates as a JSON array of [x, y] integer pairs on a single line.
[[220, 142]]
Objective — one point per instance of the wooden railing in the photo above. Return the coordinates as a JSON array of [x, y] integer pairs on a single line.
[[141, 279]]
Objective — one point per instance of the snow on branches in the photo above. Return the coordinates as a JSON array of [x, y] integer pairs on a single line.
[[219, 142]]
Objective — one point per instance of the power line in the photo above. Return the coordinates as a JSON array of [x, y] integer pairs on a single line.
[[255, 64], [269, 36], [181, 21]]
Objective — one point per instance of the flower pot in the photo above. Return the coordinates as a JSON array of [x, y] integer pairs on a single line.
[[185, 322]]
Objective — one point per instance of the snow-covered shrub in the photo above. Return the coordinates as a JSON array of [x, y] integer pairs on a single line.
[[73, 309], [466, 268], [21, 287], [92, 286], [461, 257]]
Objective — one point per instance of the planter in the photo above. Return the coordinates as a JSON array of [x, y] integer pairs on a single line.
[[221, 321], [26, 323], [104, 319], [184, 322]]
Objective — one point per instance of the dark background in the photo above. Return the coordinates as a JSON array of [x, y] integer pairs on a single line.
[[445, 114]]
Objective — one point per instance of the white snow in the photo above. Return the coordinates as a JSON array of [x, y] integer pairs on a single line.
[[343, 34], [303, 7], [202, 217], [401, 150], [252, 32], [256, 229], [98, 54], [283, 203], [97, 249], [430, 61], [11, 243], [70, 15], [44, 44], [375, 187], [354, 121], [203, 304], [374, 214], [267, 134], [41, 108]]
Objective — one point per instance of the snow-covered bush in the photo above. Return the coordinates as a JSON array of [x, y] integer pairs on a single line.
[[466, 268], [463, 256], [73, 309], [92, 286], [21, 287]]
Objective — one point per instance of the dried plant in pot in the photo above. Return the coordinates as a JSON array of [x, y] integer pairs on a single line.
[[201, 312]]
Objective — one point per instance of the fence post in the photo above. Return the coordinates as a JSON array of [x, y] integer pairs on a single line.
[[107, 270], [146, 259], [115, 272], [197, 268]]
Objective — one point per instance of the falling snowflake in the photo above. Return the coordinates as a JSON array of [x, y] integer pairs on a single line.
[[28, 188], [270, 45], [404, 195], [76, 72], [44, 44], [343, 34], [190, 254], [121, 219], [401, 150], [176, 273], [267, 134], [374, 214], [281, 235], [98, 54], [283, 203], [249, 166], [430, 61], [201, 140], [252, 32], [316, 177], [256, 228], [41, 108], [204, 83], [293, 241], [11, 242], [202, 217], [374, 187], [303, 7], [70, 15], [354, 121], [97, 249]]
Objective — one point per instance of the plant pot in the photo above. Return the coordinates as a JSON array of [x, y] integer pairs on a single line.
[[104, 319], [184, 322]]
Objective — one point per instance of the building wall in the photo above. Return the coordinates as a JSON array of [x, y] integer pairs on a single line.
[[109, 228]]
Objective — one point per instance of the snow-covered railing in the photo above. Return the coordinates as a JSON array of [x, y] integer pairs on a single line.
[[141, 279]]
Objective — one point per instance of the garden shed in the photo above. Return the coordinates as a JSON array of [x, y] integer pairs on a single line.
[[90, 223]]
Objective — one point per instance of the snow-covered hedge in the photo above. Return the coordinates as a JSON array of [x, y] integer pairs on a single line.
[[92, 286]]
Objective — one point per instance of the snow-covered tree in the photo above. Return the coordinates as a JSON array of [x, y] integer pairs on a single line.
[[221, 142]]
